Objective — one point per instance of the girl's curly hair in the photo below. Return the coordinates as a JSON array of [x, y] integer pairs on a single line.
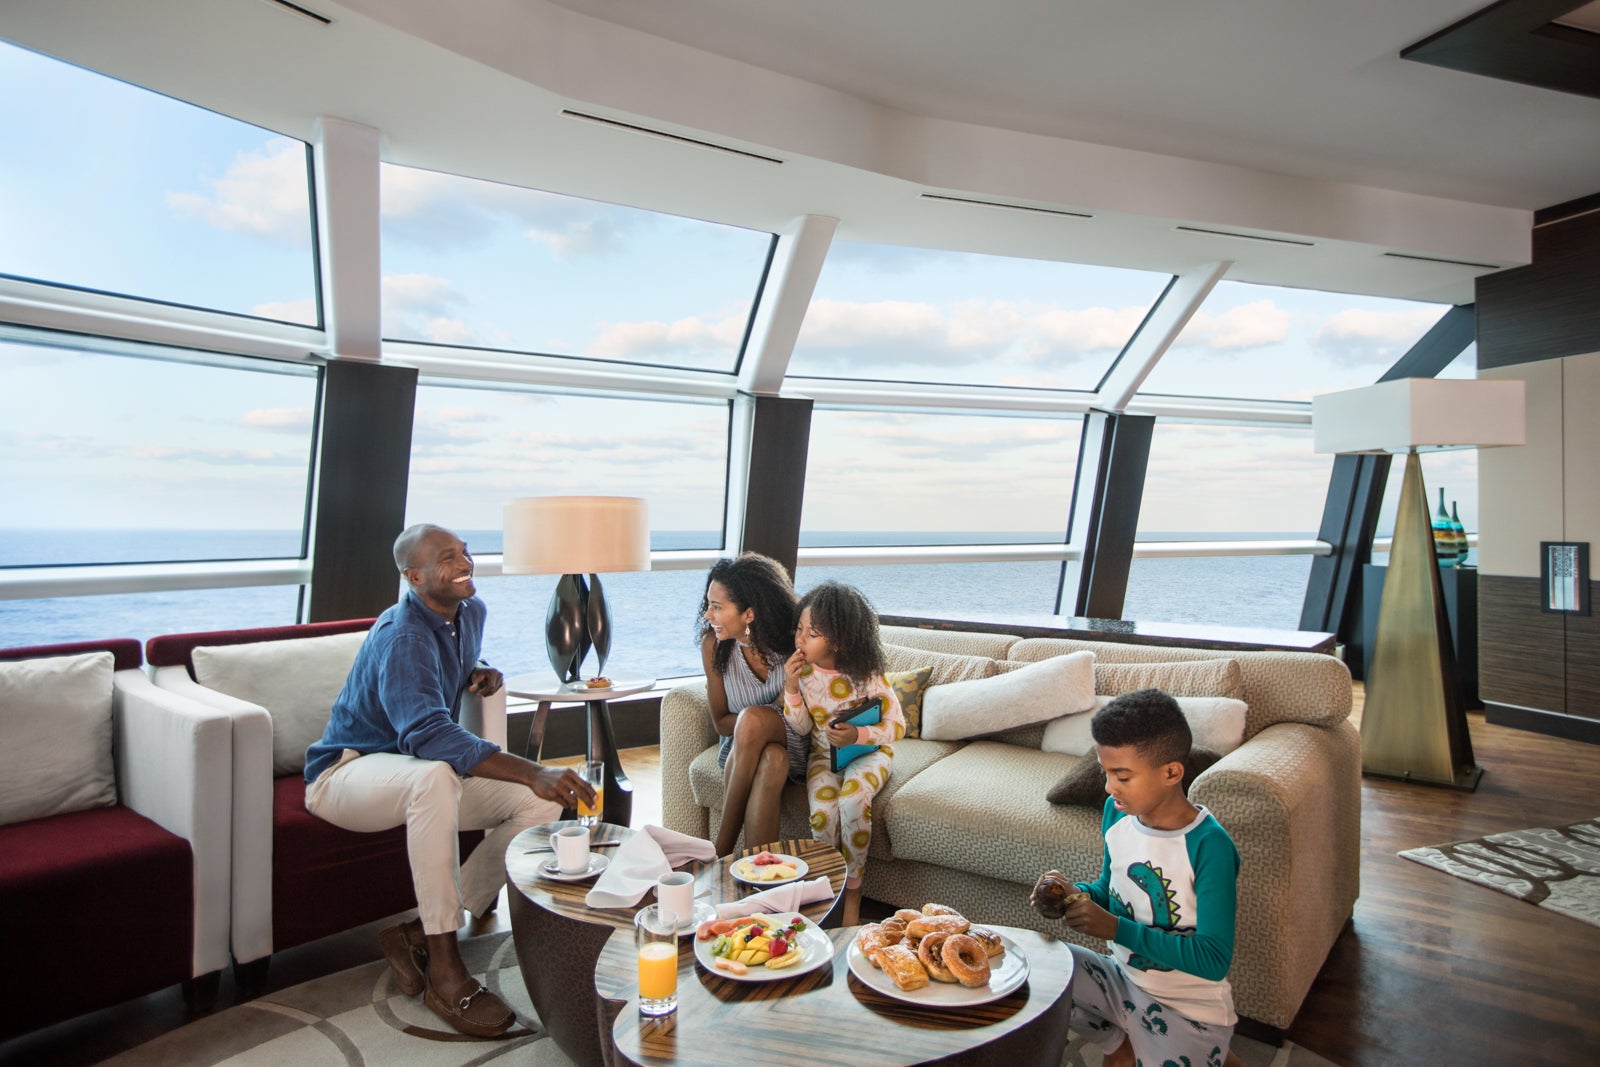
[[843, 616], [761, 584]]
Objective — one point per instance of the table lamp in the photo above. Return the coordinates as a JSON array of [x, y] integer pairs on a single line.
[[573, 536], [1413, 726]]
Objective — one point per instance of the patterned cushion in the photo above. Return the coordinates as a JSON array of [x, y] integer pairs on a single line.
[[1195, 678], [908, 687], [1085, 784], [946, 667], [950, 642]]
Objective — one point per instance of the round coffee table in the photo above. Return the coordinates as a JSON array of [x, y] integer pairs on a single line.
[[828, 1016], [558, 937]]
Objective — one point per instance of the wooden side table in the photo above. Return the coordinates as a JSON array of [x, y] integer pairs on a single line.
[[558, 937], [602, 745]]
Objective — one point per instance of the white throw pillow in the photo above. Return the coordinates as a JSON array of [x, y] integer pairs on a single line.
[[295, 680], [1216, 723], [55, 736], [1035, 693]]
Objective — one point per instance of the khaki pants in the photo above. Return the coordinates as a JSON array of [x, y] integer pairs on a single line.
[[384, 790]]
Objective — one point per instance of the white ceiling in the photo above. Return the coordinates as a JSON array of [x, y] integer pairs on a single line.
[[1273, 117]]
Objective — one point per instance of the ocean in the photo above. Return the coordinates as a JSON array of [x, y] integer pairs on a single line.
[[653, 613]]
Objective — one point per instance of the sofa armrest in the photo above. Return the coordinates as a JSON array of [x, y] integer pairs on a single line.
[[685, 733], [175, 767], [485, 716], [1290, 798], [252, 811]]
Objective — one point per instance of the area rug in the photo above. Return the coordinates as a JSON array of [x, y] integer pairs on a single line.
[[359, 1016], [1554, 867]]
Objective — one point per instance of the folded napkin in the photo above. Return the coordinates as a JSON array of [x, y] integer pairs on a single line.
[[639, 861], [789, 897]]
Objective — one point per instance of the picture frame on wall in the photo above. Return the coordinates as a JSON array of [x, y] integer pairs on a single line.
[[1564, 577]]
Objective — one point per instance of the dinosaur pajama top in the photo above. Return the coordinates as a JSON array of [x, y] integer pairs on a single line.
[[841, 804]]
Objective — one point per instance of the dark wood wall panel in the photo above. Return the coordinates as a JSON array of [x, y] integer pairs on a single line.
[[1520, 648], [1583, 659], [776, 496], [1548, 309]]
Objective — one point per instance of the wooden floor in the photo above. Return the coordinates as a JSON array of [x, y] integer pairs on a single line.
[[1433, 970]]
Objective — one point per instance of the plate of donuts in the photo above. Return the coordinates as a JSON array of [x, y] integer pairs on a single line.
[[939, 960]]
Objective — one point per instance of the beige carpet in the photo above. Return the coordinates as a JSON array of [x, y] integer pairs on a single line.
[[1554, 867], [359, 1017]]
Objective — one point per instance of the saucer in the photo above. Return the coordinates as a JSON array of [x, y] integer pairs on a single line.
[[704, 912], [597, 863]]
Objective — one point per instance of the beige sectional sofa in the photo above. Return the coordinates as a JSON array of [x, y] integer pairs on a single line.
[[966, 823]]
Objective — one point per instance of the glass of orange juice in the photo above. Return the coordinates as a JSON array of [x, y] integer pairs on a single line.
[[593, 772], [655, 931]]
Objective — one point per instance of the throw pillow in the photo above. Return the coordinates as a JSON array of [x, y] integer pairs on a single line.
[[1085, 784], [908, 687], [1181, 678], [295, 680], [1216, 723], [947, 667], [1040, 691], [55, 736]]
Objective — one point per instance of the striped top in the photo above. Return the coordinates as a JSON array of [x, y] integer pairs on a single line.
[[745, 690]]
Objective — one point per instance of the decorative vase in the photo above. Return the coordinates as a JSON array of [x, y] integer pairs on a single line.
[[1461, 534], [1444, 536]]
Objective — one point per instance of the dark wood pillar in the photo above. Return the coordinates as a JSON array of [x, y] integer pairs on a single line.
[[1116, 487], [779, 441]]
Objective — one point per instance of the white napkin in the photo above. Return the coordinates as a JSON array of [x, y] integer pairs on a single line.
[[640, 861], [779, 898]]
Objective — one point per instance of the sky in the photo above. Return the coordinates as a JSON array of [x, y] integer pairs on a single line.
[[107, 186]]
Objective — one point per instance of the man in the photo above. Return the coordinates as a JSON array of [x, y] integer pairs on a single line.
[[395, 753]]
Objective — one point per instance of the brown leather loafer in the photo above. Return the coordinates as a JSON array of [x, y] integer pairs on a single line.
[[479, 1013], [407, 954]]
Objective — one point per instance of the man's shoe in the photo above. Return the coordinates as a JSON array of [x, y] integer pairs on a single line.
[[480, 1013], [407, 955]]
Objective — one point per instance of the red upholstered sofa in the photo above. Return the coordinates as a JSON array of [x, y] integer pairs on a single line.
[[296, 878], [113, 901]]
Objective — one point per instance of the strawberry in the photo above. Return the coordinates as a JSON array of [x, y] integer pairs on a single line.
[[779, 947]]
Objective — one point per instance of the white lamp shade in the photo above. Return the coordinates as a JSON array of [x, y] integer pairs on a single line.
[[576, 535], [1412, 413]]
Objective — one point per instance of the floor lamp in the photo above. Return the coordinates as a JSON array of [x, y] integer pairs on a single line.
[[573, 536], [1413, 726]]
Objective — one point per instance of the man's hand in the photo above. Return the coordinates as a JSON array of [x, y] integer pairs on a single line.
[[486, 681], [1087, 917], [562, 785]]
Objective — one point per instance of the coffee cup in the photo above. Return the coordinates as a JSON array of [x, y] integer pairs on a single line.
[[571, 845], [675, 893]]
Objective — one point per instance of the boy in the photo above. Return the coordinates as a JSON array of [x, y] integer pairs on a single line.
[[1164, 899]]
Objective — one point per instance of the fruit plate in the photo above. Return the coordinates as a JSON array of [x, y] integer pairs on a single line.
[[744, 865], [1010, 973], [818, 949]]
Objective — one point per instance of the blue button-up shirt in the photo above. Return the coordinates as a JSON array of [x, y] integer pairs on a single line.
[[404, 690]]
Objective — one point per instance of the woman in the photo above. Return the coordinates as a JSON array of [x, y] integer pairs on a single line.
[[746, 635]]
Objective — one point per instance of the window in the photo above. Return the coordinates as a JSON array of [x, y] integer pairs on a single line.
[[473, 449], [107, 457], [483, 265], [947, 590], [109, 187], [918, 315], [1265, 342], [896, 478], [1263, 591], [145, 615]]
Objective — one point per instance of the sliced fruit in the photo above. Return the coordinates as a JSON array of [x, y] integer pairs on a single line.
[[788, 959], [732, 966]]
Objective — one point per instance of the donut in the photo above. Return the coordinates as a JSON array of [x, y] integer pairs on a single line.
[[908, 914], [870, 940], [966, 960], [894, 931], [928, 952], [936, 924], [993, 947], [1049, 897], [939, 909]]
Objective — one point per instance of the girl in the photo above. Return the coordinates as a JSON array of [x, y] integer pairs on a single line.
[[746, 628], [838, 663]]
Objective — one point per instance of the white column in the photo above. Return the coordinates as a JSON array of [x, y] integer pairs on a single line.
[[796, 263], [346, 155], [1160, 328]]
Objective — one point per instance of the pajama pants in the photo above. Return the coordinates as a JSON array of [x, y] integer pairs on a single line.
[[428, 798], [1107, 1005], [841, 805]]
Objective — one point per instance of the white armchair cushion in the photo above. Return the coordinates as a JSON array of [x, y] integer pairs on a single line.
[[1038, 692], [295, 680], [1216, 723], [55, 736]]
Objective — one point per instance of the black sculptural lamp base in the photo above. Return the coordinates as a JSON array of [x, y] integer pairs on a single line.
[[577, 620]]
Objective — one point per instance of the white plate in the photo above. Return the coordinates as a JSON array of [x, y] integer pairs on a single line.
[[819, 953], [597, 863], [1011, 972], [704, 912], [800, 870]]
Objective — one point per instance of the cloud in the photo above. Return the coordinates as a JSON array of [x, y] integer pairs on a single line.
[[223, 457], [1360, 335], [691, 341], [297, 311], [262, 193], [423, 307], [279, 420], [1253, 325]]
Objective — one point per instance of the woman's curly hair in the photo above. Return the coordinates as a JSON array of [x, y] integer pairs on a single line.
[[761, 584], [843, 616]]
